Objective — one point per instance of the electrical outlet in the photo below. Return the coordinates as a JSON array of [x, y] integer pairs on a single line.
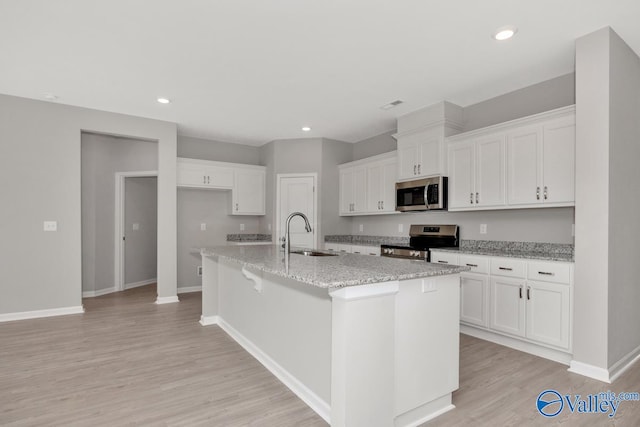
[[241, 227], [269, 226], [361, 228], [136, 226], [199, 271], [50, 226], [400, 228], [483, 228], [203, 226]]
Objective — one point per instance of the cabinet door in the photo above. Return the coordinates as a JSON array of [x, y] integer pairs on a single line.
[[388, 190], [360, 189], [190, 177], [474, 291], [461, 175], [430, 155], [375, 186], [346, 191], [558, 161], [407, 157], [524, 152], [507, 306], [490, 176], [248, 192], [548, 314]]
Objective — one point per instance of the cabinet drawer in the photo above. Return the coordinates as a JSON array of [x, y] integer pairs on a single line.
[[444, 258], [365, 250], [508, 267], [549, 271], [478, 264]]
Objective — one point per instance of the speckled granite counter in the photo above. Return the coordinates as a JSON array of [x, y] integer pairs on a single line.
[[330, 271], [248, 237], [526, 250], [363, 240]]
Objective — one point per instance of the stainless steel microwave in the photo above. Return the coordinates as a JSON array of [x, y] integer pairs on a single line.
[[422, 194]]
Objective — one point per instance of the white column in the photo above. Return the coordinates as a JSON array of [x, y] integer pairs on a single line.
[[362, 357], [209, 291]]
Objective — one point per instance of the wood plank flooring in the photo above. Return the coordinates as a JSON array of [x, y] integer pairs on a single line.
[[128, 361]]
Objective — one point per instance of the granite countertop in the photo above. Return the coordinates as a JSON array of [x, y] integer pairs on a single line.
[[330, 271], [510, 253], [365, 240], [248, 237]]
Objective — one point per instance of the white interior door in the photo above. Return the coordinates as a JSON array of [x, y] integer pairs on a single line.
[[297, 194]]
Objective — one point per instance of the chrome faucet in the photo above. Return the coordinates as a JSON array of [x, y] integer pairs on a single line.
[[286, 238]]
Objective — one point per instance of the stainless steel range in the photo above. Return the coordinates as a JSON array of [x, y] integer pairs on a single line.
[[421, 239]]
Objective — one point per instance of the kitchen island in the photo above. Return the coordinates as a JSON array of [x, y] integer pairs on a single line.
[[362, 340]]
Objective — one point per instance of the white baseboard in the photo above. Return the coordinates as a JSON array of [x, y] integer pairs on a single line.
[[188, 289], [209, 320], [517, 344], [99, 292], [167, 300], [623, 364], [590, 371], [8, 317], [314, 401], [141, 283]]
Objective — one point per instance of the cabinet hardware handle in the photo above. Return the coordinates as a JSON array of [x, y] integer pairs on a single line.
[[382, 204], [472, 265], [537, 193], [471, 198], [520, 292], [505, 268], [419, 169], [208, 179], [414, 169], [545, 192], [545, 273], [236, 206], [443, 262], [204, 179], [477, 199], [528, 292]]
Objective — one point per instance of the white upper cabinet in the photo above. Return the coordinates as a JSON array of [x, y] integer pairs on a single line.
[[476, 173], [204, 174], [246, 182], [528, 162], [248, 194], [367, 186], [421, 154]]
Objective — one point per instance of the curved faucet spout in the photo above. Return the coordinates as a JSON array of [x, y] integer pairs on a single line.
[[307, 226]]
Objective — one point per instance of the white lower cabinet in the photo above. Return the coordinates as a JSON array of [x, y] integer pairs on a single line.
[[474, 298], [525, 299], [352, 249]]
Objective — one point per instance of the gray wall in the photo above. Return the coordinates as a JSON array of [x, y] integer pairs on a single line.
[[210, 207], [624, 200], [207, 149], [375, 145], [333, 154], [544, 96], [140, 246], [40, 168], [552, 225], [102, 157]]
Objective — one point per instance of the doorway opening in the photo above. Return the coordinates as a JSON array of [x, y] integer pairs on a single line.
[[297, 193], [112, 167]]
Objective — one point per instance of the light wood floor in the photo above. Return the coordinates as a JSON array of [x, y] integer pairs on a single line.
[[128, 361]]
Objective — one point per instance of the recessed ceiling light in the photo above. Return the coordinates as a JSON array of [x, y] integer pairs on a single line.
[[164, 101], [306, 129], [505, 33], [50, 96]]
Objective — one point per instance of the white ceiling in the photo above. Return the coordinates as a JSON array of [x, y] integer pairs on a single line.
[[251, 71]]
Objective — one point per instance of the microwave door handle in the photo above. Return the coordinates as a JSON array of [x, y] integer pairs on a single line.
[[426, 196]]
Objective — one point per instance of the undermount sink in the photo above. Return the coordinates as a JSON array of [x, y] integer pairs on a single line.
[[312, 253]]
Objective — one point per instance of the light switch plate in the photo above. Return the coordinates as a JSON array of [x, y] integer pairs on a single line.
[[203, 226], [241, 227], [483, 228], [136, 226], [400, 228], [50, 226], [361, 228]]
